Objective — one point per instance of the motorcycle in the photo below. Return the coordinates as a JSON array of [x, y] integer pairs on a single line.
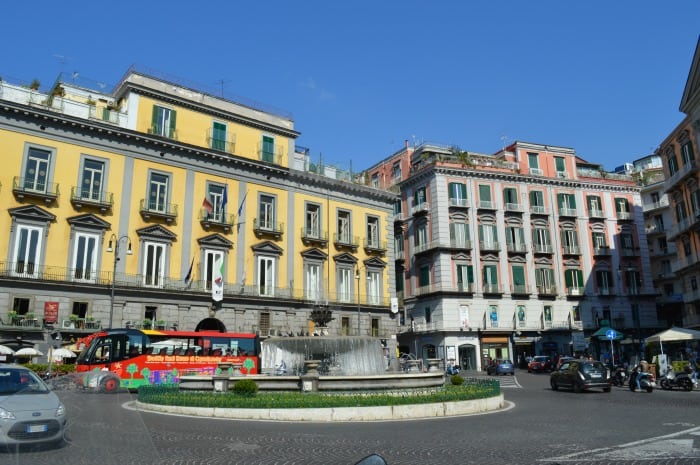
[[619, 377], [646, 380], [681, 380]]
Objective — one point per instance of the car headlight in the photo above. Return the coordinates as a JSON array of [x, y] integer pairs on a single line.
[[61, 410], [6, 415]]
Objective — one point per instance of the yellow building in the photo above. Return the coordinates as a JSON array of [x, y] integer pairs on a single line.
[[125, 208]]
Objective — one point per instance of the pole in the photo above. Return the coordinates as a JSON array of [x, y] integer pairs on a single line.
[[357, 277], [114, 272]]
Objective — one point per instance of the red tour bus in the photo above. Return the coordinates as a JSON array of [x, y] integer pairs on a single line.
[[146, 357]]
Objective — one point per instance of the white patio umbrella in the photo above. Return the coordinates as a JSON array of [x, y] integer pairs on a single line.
[[674, 334], [63, 353], [4, 350], [28, 352]]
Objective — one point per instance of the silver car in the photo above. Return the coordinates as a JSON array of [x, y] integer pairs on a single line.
[[30, 413]]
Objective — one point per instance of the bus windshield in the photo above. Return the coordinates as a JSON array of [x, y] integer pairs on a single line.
[[142, 357]]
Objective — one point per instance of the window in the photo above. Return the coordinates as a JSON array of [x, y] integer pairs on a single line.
[[459, 235], [216, 194], [163, 122], [465, 277], [548, 313], [266, 276], [633, 280], [560, 166], [595, 208], [158, 193], [27, 250], [398, 245], [519, 284], [80, 309], [345, 280], [398, 208], [574, 281], [493, 316], [20, 305], [603, 281], [622, 208], [488, 236], [85, 256], [576, 313], [569, 240], [218, 136], [312, 281], [396, 171], [544, 279], [374, 287], [655, 199], [266, 213], [672, 163], [211, 258], [627, 242], [533, 161], [268, 149], [374, 180], [510, 197], [427, 315], [485, 196], [541, 240], [424, 276], [458, 194], [312, 221], [537, 202], [695, 202], [599, 241], [344, 229], [421, 235], [515, 238], [153, 264], [681, 211], [375, 327], [373, 232], [420, 201], [36, 170], [687, 153], [490, 278], [567, 204], [91, 181]]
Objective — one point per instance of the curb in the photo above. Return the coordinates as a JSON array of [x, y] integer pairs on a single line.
[[336, 414]]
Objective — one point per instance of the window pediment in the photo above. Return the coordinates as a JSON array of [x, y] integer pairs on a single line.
[[268, 248], [89, 221], [216, 241], [156, 232], [32, 213]]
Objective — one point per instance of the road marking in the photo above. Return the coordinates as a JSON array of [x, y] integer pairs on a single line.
[[670, 446]]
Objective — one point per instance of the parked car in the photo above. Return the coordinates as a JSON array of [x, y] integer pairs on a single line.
[[30, 413], [581, 374], [501, 366], [540, 364]]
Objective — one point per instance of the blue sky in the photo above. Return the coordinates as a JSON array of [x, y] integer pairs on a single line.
[[359, 78]]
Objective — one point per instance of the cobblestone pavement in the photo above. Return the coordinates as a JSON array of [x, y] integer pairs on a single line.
[[541, 427]]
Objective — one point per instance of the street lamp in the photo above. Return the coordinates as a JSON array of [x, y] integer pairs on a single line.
[[115, 250]]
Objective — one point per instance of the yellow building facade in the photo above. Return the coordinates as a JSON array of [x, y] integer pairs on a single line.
[[158, 205]]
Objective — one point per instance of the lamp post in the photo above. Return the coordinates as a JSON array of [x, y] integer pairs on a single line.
[[116, 241], [357, 278]]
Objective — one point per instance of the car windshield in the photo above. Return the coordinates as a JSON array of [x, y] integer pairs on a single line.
[[591, 366], [20, 381], [541, 359], [504, 362]]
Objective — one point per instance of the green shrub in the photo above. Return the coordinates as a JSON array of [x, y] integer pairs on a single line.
[[456, 380], [245, 387]]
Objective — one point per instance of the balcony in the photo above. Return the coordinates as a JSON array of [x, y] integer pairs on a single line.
[[216, 220], [662, 203], [536, 172], [420, 209], [275, 156], [313, 236], [685, 262], [32, 188], [605, 291], [539, 210], [460, 244], [520, 289], [682, 172], [601, 251], [571, 250], [655, 229], [168, 133], [575, 291], [228, 146], [487, 205], [628, 252], [423, 248], [542, 249], [374, 245], [268, 228], [345, 241], [596, 213], [88, 324], [516, 248], [625, 216], [88, 198], [680, 227], [514, 208], [547, 291], [489, 246], [492, 289], [568, 212], [162, 210], [458, 203]]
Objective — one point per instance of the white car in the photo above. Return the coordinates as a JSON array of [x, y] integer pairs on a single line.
[[30, 413]]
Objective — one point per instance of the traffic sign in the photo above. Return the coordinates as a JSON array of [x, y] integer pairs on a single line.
[[611, 334]]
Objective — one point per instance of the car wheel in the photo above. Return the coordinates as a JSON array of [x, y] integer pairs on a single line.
[[687, 385], [553, 384], [607, 389], [577, 387], [109, 385]]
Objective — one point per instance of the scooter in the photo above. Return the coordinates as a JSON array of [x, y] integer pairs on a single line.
[[681, 380], [646, 380], [619, 377]]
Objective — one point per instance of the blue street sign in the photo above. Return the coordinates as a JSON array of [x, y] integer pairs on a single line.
[[611, 334]]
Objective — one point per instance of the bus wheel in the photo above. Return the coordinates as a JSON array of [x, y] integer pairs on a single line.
[[109, 385]]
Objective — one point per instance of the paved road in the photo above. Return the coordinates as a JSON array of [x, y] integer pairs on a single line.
[[541, 427]]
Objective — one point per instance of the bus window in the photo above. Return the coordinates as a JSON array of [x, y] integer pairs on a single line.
[[102, 354]]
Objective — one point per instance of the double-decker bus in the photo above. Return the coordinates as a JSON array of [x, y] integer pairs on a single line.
[[134, 357]]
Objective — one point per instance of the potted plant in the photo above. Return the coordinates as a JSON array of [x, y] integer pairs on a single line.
[[90, 101], [160, 324], [35, 84], [147, 324]]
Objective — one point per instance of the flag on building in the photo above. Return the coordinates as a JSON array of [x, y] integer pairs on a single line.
[[217, 285], [240, 208], [224, 198], [207, 205], [188, 278]]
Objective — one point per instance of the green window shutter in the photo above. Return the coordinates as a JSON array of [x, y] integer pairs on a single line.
[[470, 274], [532, 160], [154, 119], [538, 277], [518, 275], [463, 191], [453, 190], [579, 278], [559, 164], [569, 278], [171, 129], [560, 200], [424, 278], [572, 201], [268, 148], [484, 193], [481, 232], [618, 205]]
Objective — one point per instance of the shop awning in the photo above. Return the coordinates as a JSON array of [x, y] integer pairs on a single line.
[[602, 334]]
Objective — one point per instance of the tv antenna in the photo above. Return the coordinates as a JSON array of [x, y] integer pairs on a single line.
[[221, 82], [62, 59]]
